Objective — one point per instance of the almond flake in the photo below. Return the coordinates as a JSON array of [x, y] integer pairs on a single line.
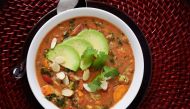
[[60, 75], [86, 75], [55, 67], [66, 80], [53, 43], [86, 87], [67, 92], [104, 85]]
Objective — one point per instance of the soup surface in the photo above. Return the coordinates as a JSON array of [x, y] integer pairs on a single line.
[[97, 72]]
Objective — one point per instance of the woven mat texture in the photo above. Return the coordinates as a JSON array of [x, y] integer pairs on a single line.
[[165, 24]]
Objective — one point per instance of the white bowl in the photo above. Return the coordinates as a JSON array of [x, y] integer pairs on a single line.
[[93, 12]]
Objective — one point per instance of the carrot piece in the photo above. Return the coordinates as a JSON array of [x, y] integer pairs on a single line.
[[119, 92], [45, 63], [47, 90]]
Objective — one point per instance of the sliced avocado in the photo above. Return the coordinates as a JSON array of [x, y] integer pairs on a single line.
[[96, 39], [80, 45], [71, 56]]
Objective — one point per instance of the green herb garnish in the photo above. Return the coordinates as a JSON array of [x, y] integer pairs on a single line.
[[96, 83], [66, 34], [119, 41], [98, 24], [71, 24], [51, 96], [94, 58], [123, 78], [108, 72], [60, 102], [45, 71], [71, 85], [87, 58], [100, 60]]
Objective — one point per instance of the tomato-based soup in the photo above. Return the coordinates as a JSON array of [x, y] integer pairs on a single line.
[[75, 95]]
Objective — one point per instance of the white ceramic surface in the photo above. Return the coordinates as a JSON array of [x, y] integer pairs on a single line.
[[72, 13]]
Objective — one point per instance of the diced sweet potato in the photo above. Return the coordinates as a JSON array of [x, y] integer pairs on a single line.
[[45, 63], [47, 90], [119, 92]]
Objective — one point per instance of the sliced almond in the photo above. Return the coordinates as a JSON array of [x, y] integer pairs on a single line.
[[107, 78], [86, 75], [53, 43], [78, 28], [76, 78], [60, 75], [104, 85], [55, 67], [109, 36], [66, 80], [59, 59], [67, 92], [87, 88]]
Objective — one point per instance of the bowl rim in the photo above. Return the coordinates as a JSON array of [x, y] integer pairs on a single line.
[[33, 81]]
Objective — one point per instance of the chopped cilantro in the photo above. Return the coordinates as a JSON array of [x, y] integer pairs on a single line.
[[98, 24], [51, 96], [87, 58], [96, 83], [71, 24], [94, 58], [60, 102], [108, 72], [100, 60], [71, 85], [93, 87], [120, 42], [45, 71], [66, 34], [123, 78], [89, 52]]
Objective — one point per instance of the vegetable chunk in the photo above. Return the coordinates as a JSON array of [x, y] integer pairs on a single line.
[[119, 91]]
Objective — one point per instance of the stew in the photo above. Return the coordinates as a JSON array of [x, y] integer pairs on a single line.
[[85, 63]]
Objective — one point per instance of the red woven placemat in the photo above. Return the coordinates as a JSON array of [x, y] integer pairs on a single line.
[[165, 24]]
